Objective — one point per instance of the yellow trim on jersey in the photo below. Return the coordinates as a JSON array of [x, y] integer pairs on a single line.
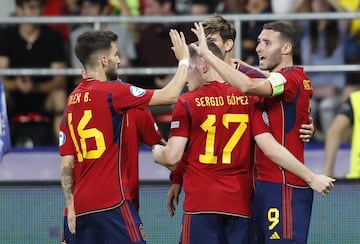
[[101, 210]]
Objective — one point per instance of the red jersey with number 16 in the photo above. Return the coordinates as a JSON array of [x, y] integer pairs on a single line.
[[219, 122], [91, 130]]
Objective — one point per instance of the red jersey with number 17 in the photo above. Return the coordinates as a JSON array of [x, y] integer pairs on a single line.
[[219, 122], [91, 130], [287, 112]]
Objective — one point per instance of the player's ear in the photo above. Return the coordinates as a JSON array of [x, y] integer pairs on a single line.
[[204, 66], [229, 44], [287, 48], [104, 61]]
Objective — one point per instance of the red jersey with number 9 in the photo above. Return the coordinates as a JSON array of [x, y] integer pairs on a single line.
[[287, 112]]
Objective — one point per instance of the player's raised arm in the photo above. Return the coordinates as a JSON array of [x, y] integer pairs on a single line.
[[170, 93], [251, 86]]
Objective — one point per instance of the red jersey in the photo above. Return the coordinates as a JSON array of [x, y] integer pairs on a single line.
[[176, 176], [91, 130], [139, 126], [286, 114], [218, 121]]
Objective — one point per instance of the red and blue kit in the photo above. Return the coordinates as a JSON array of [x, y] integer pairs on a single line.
[[138, 127], [283, 201], [218, 121], [287, 112], [91, 129]]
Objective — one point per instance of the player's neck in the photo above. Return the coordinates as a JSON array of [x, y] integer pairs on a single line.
[[285, 63], [96, 75]]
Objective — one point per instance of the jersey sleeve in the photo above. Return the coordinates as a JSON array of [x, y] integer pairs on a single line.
[[249, 71], [147, 128], [261, 117], [294, 79], [126, 96], [66, 145], [176, 176], [180, 124]]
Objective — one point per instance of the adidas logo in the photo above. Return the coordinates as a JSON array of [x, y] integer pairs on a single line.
[[275, 236]]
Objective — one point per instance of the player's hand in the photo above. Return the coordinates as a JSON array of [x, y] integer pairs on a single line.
[[322, 184], [202, 46], [71, 219], [173, 198], [180, 48], [156, 152], [307, 131]]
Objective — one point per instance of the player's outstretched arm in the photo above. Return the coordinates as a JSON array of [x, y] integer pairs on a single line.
[[247, 85], [171, 92], [281, 156], [67, 183]]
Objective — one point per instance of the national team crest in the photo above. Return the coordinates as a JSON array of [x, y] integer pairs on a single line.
[[62, 138], [137, 91], [265, 118]]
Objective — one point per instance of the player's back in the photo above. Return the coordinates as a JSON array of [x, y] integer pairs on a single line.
[[94, 115], [219, 149], [138, 127]]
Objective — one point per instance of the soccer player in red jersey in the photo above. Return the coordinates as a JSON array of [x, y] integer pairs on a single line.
[[138, 127], [91, 141], [223, 33], [215, 125], [282, 199]]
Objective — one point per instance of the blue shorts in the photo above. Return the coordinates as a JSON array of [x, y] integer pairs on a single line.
[[67, 236], [215, 229], [282, 213], [118, 225]]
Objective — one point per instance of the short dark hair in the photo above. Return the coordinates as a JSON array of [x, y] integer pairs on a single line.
[[93, 41], [217, 24], [21, 2], [286, 30], [212, 47]]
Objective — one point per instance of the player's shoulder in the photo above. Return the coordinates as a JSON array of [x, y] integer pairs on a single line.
[[294, 73], [293, 70]]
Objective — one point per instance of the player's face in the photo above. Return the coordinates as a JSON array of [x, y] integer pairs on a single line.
[[194, 79], [217, 40], [269, 49], [113, 63]]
